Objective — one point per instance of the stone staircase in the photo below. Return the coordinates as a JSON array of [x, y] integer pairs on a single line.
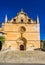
[[22, 57]]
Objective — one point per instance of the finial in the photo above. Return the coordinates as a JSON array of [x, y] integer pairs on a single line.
[[22, 9], [6, 19], [37, 19]]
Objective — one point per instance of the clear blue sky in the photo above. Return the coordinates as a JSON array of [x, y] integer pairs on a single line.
[[31, 7]]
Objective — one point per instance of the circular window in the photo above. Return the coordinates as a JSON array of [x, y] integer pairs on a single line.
[[22, 29]]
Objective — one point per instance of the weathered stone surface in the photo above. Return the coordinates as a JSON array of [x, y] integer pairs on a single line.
[[13, 32], [11, 56]]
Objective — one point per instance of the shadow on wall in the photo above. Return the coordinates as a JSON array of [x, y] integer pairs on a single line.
[[0, 45]]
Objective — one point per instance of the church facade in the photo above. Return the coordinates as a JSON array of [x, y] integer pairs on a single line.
[[21, 33]]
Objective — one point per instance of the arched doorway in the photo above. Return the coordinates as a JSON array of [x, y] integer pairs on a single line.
[[21, 43], [22, 47], [0, 45]]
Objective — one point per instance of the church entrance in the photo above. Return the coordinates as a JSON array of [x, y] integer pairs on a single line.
[[22, 47], [21, 43], [0, 45]]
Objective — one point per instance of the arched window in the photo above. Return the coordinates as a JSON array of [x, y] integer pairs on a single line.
[[14, 19], [29, 20], [21, 20]]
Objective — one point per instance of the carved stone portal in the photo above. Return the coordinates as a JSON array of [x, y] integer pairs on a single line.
[[22, 43]]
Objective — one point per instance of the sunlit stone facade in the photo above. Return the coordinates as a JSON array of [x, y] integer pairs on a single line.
[[21, 33]]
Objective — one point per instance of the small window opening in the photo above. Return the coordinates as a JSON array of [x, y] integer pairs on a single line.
[[22, 20], [14, 19]]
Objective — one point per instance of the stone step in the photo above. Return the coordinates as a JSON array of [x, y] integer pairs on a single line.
[[22, 56]]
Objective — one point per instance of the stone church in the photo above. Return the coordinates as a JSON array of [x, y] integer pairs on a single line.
[[21, 33]]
